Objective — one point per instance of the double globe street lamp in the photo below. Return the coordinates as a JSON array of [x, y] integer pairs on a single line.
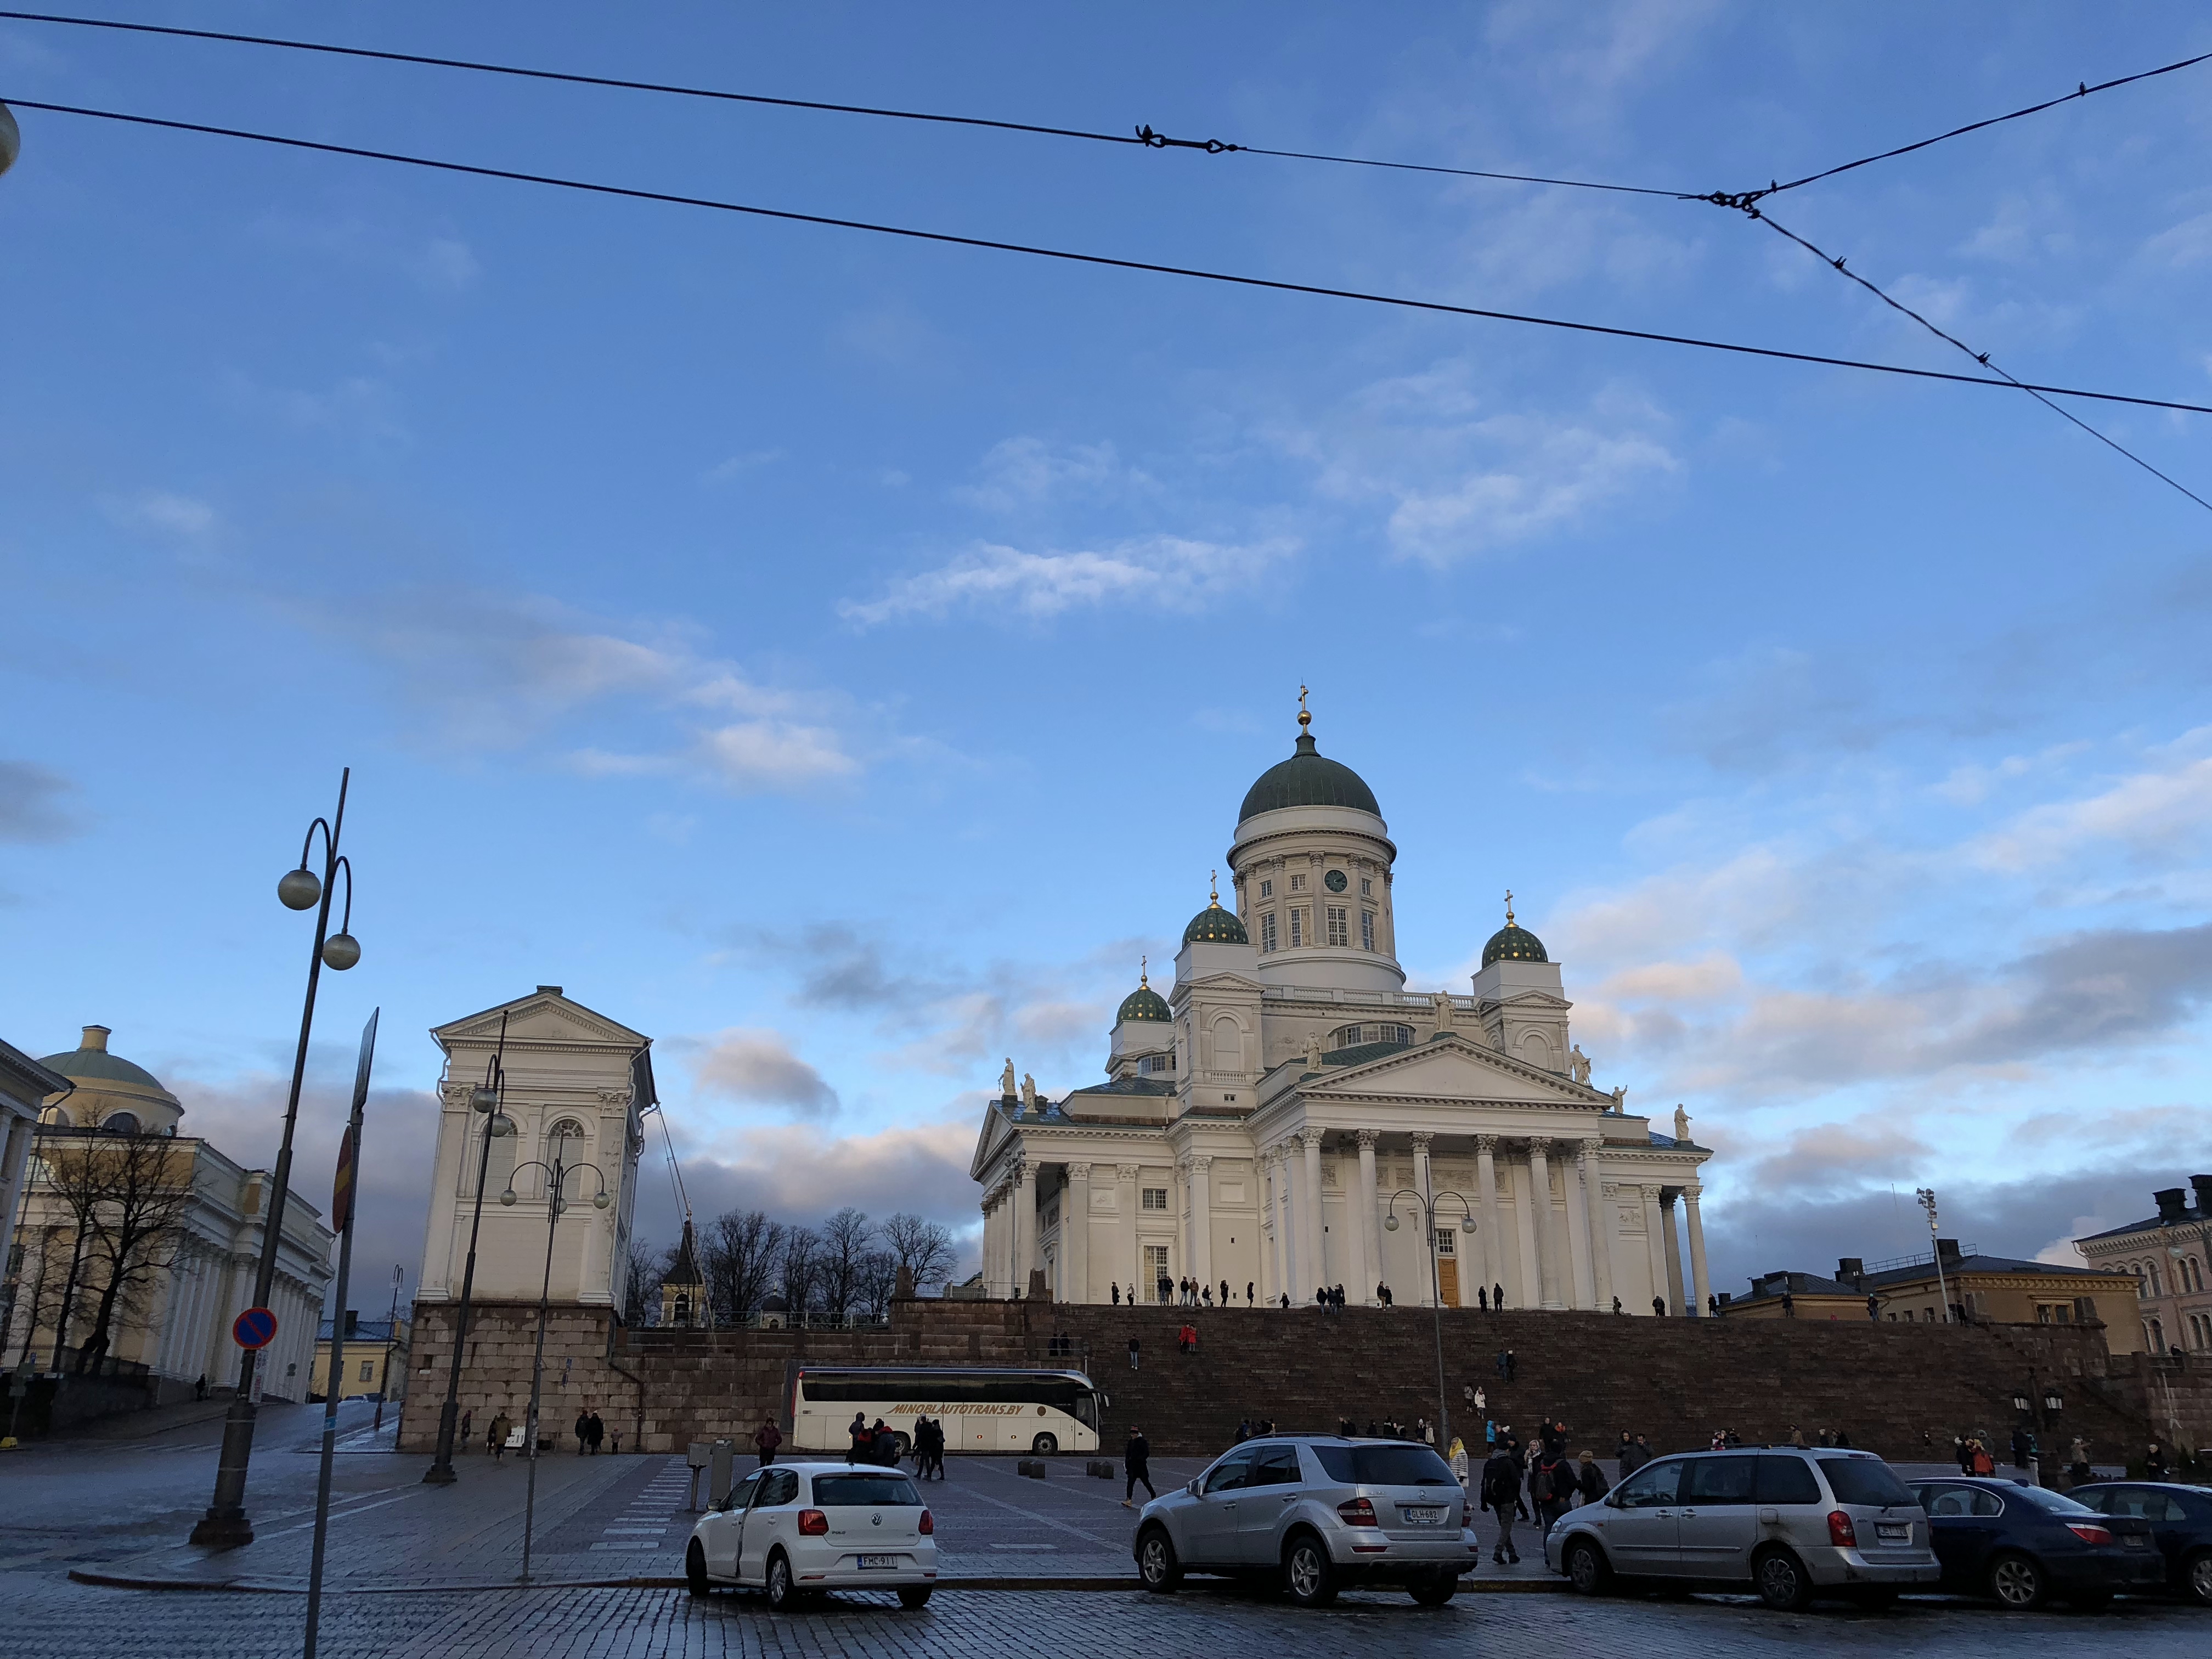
[[556, 1180], [1426, 1205], [225, 1526]]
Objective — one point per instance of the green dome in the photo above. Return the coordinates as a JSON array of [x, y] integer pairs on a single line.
[[1309, 778], [1214, 926], [1512, 944], [98, 1065], [1143, 1003]]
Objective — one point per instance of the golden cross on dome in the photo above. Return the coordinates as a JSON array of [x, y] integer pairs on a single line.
[[1143, 964], [1304, 719], [1213, 885], [1509, 907]]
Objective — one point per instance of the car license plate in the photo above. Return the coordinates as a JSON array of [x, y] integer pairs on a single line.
[[1889, 1533], [2136, 1540], [868, 1561], [1422, 1518]]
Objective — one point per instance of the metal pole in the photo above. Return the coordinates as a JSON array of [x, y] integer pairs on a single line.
[[441, 1472], [1436, 1313], [390, 1339], [350, 1177], [225, 1525], [537, 1365]]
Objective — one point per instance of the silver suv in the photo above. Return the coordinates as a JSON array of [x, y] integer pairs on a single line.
[[1790, 1524], [1317, 1513]]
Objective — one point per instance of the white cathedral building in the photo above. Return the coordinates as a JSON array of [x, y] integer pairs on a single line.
[[1289, 1115]]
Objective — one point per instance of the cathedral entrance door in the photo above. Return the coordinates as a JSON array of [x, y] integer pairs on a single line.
[[1448, 1281]]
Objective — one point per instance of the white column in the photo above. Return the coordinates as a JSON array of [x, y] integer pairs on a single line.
[[1319, 1273], [1130, 1254], [1023, 1229], [1425, 1258], [1075, 1235], [1548, 1265], [1202, 1220], [990, 1209], [1598, 1211], [1358, 1284], [1675, 1297], [1578, 1254], [1698, 1283], [1524, 1232], [1493, 1242], [1366, 1231], [1654, 1247]]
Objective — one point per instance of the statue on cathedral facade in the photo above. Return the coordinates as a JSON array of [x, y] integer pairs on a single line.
[[1578, 1066], [1006, 1080]]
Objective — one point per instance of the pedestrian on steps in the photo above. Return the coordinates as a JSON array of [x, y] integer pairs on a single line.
[[1482, 1299], [1224, 1293], [1132, 1353], [1247, 1293], [1590, 1484], [766, 1439], [1501, 1496], [583, 1432], [1137, 1466], [500, 1430], [1498, 1298], [599, 1432]]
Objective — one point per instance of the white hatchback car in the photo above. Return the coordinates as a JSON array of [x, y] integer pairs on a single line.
[[796, 1529]]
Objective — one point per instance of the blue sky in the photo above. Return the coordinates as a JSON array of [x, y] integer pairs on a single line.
[[840, 658]]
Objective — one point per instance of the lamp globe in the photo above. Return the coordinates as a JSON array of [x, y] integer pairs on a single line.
[[11, 138], [507, 1197], [601, 1201], [299, 889], [1390, 1222], [341, 951]]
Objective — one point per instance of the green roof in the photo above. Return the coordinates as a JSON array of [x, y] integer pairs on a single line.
[[1512, 944], [1143, 1003], [98, 1065], [1215, 926], [1309, 778]]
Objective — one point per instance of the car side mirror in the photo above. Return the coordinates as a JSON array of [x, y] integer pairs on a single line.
[[1192, 1488]]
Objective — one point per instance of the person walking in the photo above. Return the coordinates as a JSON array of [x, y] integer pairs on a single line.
[[1590, 1484], [2077, 1462], [1482, 1298], [2154, 1462], [468, 1417], [1137, 1467], [1497, 1297], [1132, 1353], [1512, 1365], [599, 1432], [1459, 1465], [1501, 1496], [583, 1432], [1247, 1293], [1116, 1288], [766, 1439], [1224, 1293], [861, 1438], [497, 1435]]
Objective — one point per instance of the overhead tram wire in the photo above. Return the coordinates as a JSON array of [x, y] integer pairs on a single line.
[[1837, 264], [1108, 261]]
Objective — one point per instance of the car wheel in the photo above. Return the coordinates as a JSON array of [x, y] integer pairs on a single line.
[[1156, 1561], [783, 1594], [1588, 1571], [2196, 1577], [694, 1570], [1308, 1576], [1782, 1582], [1436, 1589], [915, 1595], [2018, 1582], [1044, 1445]]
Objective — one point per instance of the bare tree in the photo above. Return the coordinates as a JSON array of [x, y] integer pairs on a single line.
[[923, 1248], [878, 1276], [641, 1275], [739, 1254], [801, 1267], [845, 1237], [127, 1194]]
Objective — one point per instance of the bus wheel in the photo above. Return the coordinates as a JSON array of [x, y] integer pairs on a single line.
[[1045, 1445]]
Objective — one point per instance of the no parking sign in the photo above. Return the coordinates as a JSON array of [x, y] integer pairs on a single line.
[[254, 1328]]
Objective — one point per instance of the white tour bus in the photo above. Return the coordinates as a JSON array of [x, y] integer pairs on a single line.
[[982, 1409]]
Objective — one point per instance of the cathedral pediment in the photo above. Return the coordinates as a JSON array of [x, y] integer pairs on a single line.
[[1451, 1068], [543, 1017]]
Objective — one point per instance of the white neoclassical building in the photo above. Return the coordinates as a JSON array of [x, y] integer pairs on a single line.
[[1265, 1122]]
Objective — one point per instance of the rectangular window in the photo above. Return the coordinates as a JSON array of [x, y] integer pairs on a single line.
[[1366, 930], [368, 1370], [1366, 887], [1156, 1198], [1156, 1270], [1297, 884], [1267, 931], [1340, 929], [1447, 1241], [1297, 926], [1266, 890]]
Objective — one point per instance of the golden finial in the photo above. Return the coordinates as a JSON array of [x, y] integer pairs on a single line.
[[1143, 980], [1213, 886], [1305, 720], [1509, 907]]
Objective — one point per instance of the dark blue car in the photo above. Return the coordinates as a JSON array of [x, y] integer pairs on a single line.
[[2180, 1520], [2022, 1545]]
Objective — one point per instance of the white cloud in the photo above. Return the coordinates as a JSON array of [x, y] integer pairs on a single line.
[[758, 1067], [2163, 808], [1169, 572], [1025, 473], [737, 465], [183, 516]]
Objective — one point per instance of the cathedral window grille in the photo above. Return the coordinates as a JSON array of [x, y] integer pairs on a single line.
[[1447, 1241], [1366, 887], [1366, 930], [1266, 890], [1339, 929], [1156, 1269], [1350, 1037], [1297, 884], [1297, 923], [1267, 931], [1156, 1198]]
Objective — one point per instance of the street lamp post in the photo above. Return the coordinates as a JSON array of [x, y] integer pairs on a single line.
[[558, 1173], [1427, 1205], [1926, 1195], [225, 1525], [391, 1341], [486, 1097]]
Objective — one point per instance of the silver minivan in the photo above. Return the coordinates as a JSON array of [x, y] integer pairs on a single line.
[[1316, 1514], [1790, 1524]]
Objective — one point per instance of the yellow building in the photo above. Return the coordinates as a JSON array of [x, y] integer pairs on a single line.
[[1788, 1295], [376, 1359]]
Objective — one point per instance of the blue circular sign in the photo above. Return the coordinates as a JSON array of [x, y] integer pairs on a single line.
[[254, 1328]]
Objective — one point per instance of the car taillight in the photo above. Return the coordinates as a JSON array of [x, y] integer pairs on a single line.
[[929, 1526], [1841, 1533], [1358, 1513], [813, 1522], [2089, 1532]]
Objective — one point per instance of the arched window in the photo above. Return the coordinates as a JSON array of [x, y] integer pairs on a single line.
[[564, 1144], [1228, 1045], [2157, 1337], [2156, 1289], [57, 1117], [1536, 1050], [120, 1123]]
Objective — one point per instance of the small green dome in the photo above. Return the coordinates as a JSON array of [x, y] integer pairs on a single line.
[[1143, 1003], [1309, 778], [1512, 944], [1215, 926]]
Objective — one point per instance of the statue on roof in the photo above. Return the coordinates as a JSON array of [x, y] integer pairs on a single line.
[[1620, 1099], [1006, 1080], [1029, 1092], [1441, 1002], [1682, 1124], [1578, 1066], [1313, 1052]]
